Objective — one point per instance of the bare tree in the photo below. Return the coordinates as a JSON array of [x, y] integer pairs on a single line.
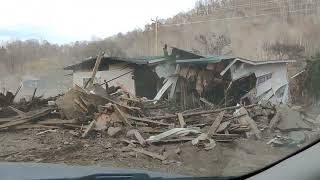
[[214, 43], [284, 50]]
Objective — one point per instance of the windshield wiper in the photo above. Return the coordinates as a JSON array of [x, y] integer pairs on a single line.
[[133, 176]]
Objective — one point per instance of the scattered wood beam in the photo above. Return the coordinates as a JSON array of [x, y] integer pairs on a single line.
[[147, 121], [181, 120], [199, 112], [121, 115], [95, 69], [215, 125], [21, 113], [89, 128], [148, 153]]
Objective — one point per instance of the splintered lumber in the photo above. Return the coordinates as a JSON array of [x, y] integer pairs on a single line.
[[148, 153], [121, 115], [29, 116], [147, 121], [199, 112], [176, 140], [46, 131], [95, 69], [82, 107], [21, 113], [164, 88], [206, 102], [215, 125], [72, 126], [15, 94], [136, 133], [33, 126], [115, 102], [223, 126], [89, 128], [233, 117], [34, 93], [181, 120], [57, 122], [248, 120]]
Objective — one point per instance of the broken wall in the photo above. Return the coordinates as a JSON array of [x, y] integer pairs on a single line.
[[272, 81], [115, 70]]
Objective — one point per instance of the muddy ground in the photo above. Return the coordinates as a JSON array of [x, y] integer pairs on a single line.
[[62, 146]]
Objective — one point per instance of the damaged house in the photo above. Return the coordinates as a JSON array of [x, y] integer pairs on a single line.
[[141, 76], [190, 79], [222, 80], [135, 75]]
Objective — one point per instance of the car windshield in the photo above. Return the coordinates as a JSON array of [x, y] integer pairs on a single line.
[[187, 87]]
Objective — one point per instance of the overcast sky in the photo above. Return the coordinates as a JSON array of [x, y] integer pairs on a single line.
[[64, 21]]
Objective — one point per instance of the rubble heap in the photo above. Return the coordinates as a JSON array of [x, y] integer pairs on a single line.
[[139, 122]]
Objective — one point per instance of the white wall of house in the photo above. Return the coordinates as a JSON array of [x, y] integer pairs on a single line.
[[114, 71], [272, 80]]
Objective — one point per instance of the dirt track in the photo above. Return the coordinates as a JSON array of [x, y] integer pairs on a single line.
[[235, 158]]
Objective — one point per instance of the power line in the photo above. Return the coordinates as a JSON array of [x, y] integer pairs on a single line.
[[233, 18]]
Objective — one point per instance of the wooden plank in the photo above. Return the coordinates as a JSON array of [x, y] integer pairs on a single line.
[[213, 128], [223, 126], [34, 93], [72, 126], [95, 69], [30, 116], [164, 88], [173, 88], [115, 102], [181, 120], [139, 137], [16, 93], [21, 113], [57, 122], [89, 128], [147, 121], [122, 116], [199, 112], [206, 102], [34, 126], [82, 107], [148, 153]]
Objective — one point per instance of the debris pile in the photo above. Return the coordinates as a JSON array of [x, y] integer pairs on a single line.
[[139, 123]]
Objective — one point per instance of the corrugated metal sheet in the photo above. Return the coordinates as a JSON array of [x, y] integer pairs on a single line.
[[89, 63], [205, 60]]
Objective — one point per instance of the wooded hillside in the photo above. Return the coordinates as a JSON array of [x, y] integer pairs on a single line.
[[248, 28]]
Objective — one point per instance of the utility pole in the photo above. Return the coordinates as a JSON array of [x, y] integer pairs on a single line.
[[156, 34]]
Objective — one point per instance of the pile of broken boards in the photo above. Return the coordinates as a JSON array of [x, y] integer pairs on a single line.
[[138, 122], [23, 114]]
